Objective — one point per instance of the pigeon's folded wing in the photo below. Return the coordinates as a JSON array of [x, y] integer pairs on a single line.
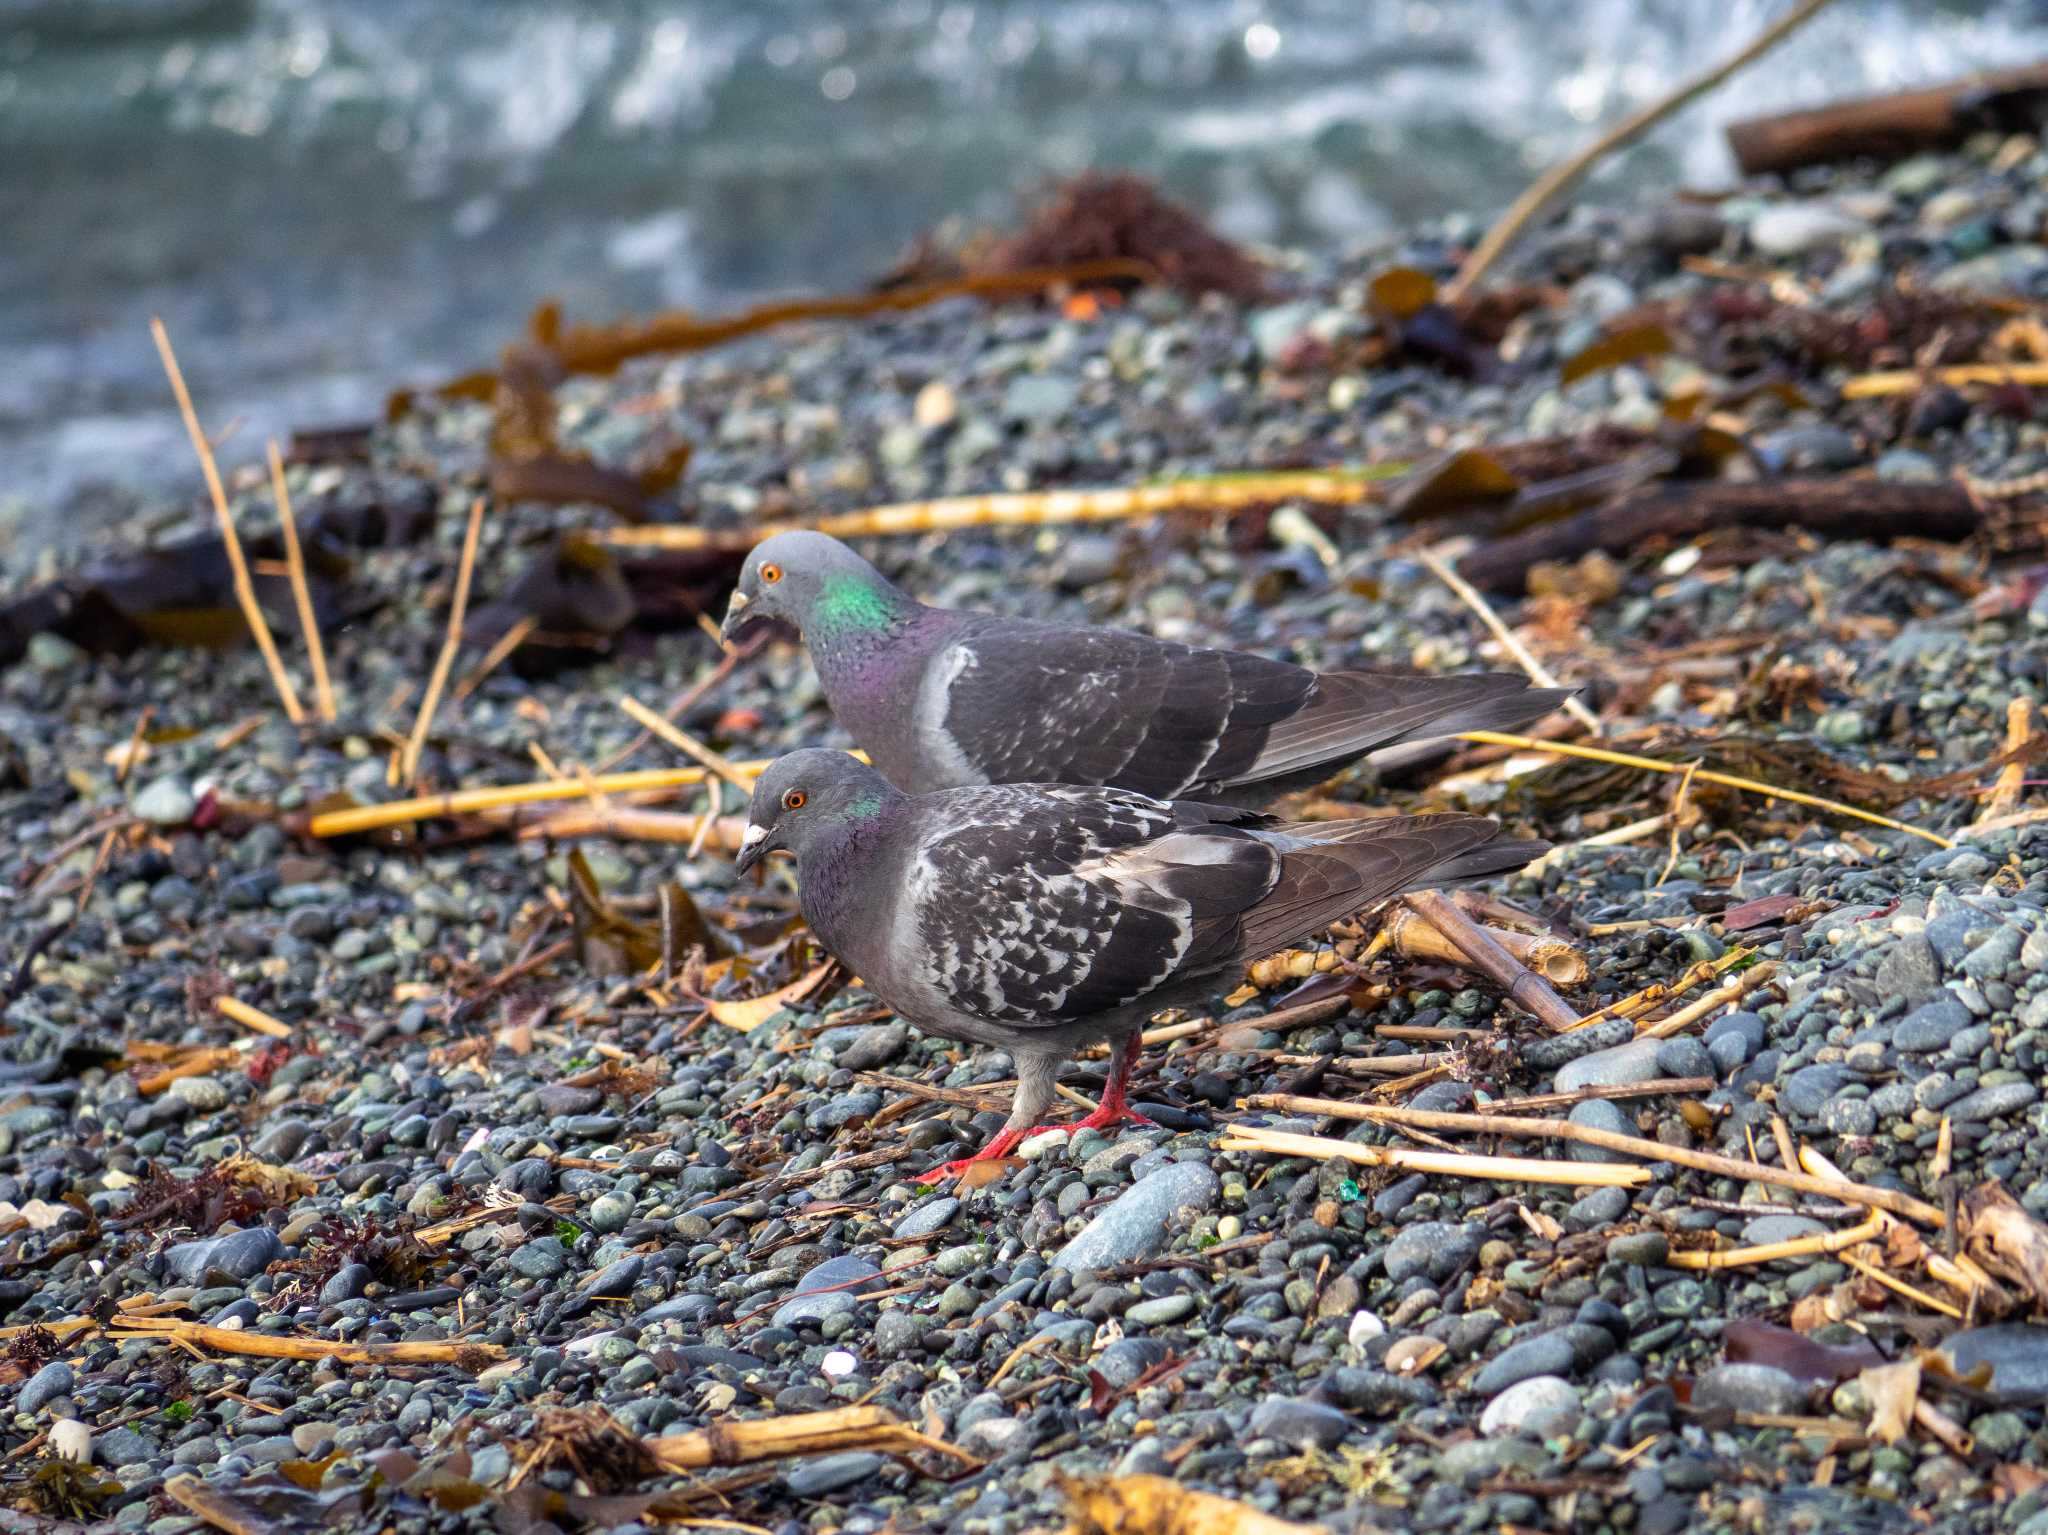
[[1039, 703], [1076, 903]]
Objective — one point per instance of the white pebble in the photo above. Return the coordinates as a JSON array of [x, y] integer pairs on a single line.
[[1364, 1328], [71, 1440], [839, 1362], [1032, 1147]]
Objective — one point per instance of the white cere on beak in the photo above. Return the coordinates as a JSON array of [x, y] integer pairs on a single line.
[[739, 600], [753, 835]]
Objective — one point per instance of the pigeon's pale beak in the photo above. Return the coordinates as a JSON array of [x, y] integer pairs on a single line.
[[753, 847], [733, 611]]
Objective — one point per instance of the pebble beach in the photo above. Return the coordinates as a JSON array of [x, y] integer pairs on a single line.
[[624, 1220]]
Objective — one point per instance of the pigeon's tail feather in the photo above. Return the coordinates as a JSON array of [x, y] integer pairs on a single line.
[[1353, 713], [1494, 858], [1503, 711], [1330, 870]]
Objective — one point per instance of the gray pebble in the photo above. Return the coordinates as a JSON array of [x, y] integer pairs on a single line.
[[1135, 1224]]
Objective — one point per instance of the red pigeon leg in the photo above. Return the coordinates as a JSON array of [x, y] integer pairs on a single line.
[[1113, 1110]]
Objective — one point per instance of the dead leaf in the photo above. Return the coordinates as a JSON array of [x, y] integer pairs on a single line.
[[1401, 292], [1749, 1340], [1632, 343], [2005, 1240], [1892, 1389], [1158, 1505], [1457, 482], [750, 1013], [1765, 909], [1545, 1226], [978, 1174]]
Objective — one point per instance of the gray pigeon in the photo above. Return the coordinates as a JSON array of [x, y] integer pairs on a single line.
[[1042, 917], [939, 699]]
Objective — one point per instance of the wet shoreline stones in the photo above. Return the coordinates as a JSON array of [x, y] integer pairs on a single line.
[[721, 1240]]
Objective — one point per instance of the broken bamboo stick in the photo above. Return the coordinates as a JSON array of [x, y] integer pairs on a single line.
[[1413, 936], [1524, 987], [252, 1017], [1772, 1252]]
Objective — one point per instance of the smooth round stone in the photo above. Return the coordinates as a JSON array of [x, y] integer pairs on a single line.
[[1540, 1406]]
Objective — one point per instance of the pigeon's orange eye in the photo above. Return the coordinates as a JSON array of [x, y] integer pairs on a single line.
[[771, 573], [794, 799]]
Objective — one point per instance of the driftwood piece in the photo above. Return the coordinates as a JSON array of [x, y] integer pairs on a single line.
[[807, 1433], [1892, 126], [1833, 508], [263, 1345]]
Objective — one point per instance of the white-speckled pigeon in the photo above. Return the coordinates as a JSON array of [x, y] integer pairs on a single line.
[[940, 700], [1042, 917]]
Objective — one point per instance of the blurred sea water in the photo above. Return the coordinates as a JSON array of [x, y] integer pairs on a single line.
[[328, 198]]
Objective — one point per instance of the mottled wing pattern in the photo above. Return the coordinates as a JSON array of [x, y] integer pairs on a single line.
[[1039, 703], [1038, 906]]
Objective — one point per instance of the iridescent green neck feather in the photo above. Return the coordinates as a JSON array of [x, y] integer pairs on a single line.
[[849, 605], [865, 808]]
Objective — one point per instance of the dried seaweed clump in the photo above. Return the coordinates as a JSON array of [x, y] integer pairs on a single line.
[[205, 1202], [593, 1445], [34, 1347], [392, 1254], [1113, 214]]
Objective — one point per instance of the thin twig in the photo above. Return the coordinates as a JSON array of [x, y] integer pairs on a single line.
[[134, 749], [1616, 836], [1571, 1097], [505, 644], [238, 565], [1561, 177], [688, 744], [1524, 987], [1679, 821], [1744, 982], [409, 762], [1650, 1151], [1512, 642], [302, 596], [1704, 775], [1323, 1148], [733, 656]]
